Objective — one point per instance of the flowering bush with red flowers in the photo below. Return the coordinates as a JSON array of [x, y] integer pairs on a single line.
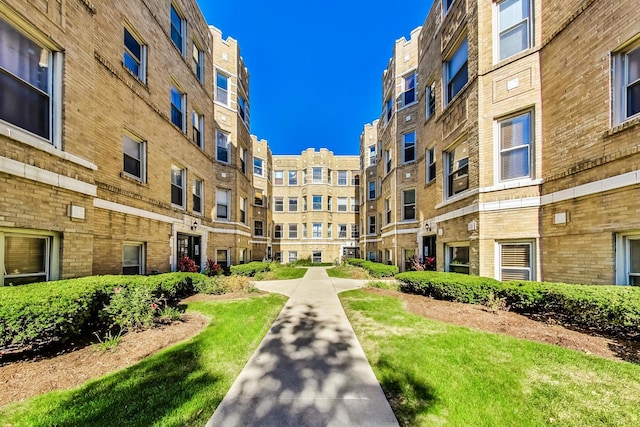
[[187, 265], [213, 268]]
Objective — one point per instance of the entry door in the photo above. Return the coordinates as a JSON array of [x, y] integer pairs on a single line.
[[189, 246], [429, 252]]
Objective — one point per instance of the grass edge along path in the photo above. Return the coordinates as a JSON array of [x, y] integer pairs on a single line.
[[179, 386], [434, 373]]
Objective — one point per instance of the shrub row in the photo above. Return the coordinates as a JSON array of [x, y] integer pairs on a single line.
[[39, 314], [375, 269], [250, 269], [611, 310]]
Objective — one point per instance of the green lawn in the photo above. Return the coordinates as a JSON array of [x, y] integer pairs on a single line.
[[180, 386], [347, 272], [281, 273], [439, 374]]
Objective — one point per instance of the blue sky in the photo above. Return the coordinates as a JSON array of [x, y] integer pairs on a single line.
[[315, 67]]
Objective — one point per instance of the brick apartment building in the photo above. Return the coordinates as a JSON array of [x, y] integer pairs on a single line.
[[518, 128]]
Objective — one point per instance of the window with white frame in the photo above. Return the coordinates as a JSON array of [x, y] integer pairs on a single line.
[[222, 88], [27, 83], [243, 109], [372, 155], [371, 256], [277, 231], [329, 230], [430, 101], [178, 108], [178, 178], [456, 72], [515, 147], [223, 198], [197, 62], [27, 258], [516, 261], [626, 83], [223, 147], [293, 231], [222, 257], [278, 204], [458, 259], [409, 93], [134, 56], [258, 199], [304, 230], [409, 147], [316, 175], [387, 161], [354, 231], [293, 177], [243, 210], [197, 193], [243, 160], [342, 177], [514, 27], [197, 123], [329, 176], [457, 170], [354, 205], [304, 203], [316, 230], [355, 178], [258, 166], [293, 256], [278, 177], [133, 257], [316, 202], [446, 5], [408, 204], [178, 28], [316, 257], [342, 204], [329, 203], [371, 192], [387, 209], [342, 231], [372, 224], [257, 228], [431, 164], [388, 110], [134, 158], [628, 259], [293, 204]]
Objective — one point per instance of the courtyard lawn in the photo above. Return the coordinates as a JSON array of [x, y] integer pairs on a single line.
[[439, 374], [281, 272], [180, 386], [347, 272]]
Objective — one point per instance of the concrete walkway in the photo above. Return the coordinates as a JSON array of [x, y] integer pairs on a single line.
[[310, 369]]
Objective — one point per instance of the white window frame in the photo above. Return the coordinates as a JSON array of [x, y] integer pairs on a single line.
[[258, 166], [52, 257], [373, 157], [354, 205], [181, 108], [197, 56], [316, 205], [243, 109], [342, 204], [290, 204], [220, 203], [181, 31], [531, 270], [292, 231], [623, 254], [222, 94], [243, 210], [243, 160], [292, 256], [278, 231], [289, 176], [314, 179], [342, 231], [142, 148], [622, 83], [227, 255], [197, 124], [527, 22], [258, 228], [430, 100], [329, 230], [259, 196], [387, 209], [449, 180], [405, 205], [181, 187], [278, 175], [371, 190], [316, 257], [412, 76], [316, 230], [343, 178], [371, 225], [448, 257], [387, 161], [430, 156], [198, 193], [355, 234], [447, 80], [278, 204], [141, 256], [223, 144], [140, 61], [529, 146], [408, 145]]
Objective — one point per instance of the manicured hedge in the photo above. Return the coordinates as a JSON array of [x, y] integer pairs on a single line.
[[42, 313], [375, 269], [250, 269], [611, 310]]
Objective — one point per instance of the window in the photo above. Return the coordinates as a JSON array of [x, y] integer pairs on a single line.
[[316, 230], [222, 88], [278, 204], [388, 110], [514, 27], [458, 259], [372, 155], [626, 76], [222, 204], [387, 253], [133, 258], [304, 230], [257, 166], [243, 210], [342, 177], [177, 29], [293, 177], [293, 231], [430, 100], [26, 80], [135, 56], [198, 188], [329, 230], [277, 231], [446, 5], [177, 186], [457, 169], [293, 204], [177, 108], [222, 257], [387, 161], [515, 143], [293, 256], [354, 231], [431, 165], [198, 63], [257, 228], [409, 94], [259, 198], [516, 261], [278, 178], [371, 256], [317, 175], [223, 147], [354, 205], [243, 109], [316, 257], [408, 204], [304, 203], [387, 209], [342, 204], [329, 176], [372, 190], [342, 231], [372, 224], [456, 70], [317, 203], [355, 179], [134, 158], [409, 147], [329, 203], [27, 258], [197, 123], [243, 160], [627, 259]]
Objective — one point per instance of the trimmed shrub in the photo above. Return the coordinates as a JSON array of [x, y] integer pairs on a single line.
[[610, 310], [219, 285], [250, 269], [378, 270], [355, 261]]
